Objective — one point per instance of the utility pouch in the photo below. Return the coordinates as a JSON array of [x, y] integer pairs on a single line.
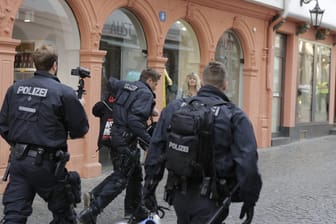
[[219, 190], [168, 196], [39, 157], [73, 187], [170, 188], [128, 137], [20, 151], [206, 187]]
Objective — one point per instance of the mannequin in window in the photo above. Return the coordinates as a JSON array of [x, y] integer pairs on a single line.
[[190, 87]]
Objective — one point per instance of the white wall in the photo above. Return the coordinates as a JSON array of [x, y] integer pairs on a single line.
[[278, 4], [302, 12]]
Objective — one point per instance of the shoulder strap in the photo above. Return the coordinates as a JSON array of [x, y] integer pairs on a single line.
[[206, 100], [207, 156], [108, 107]]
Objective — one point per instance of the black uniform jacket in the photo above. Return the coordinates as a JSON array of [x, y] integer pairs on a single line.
[[42, 111], [234, 144], [133, 107]]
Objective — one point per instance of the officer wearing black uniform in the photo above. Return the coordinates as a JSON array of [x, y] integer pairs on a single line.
[[234, 159], [36, 118], [133, 106]]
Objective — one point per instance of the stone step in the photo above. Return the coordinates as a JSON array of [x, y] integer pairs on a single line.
[[332, 131], [280, 141]]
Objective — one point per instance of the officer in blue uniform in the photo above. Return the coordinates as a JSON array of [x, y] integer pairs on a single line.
[[133, 106], [235, 159], [36, 118]]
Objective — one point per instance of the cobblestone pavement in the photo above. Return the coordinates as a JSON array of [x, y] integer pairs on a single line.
[[298, 187]]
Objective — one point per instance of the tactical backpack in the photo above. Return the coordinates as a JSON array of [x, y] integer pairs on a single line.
[[123, 96], [189, 136]]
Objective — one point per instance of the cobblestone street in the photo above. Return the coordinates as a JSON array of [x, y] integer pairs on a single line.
[[298, 187], [299, 184]]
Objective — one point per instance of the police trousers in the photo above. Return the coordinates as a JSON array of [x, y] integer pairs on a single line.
[[192, 208], [26, 180], [127, 174]]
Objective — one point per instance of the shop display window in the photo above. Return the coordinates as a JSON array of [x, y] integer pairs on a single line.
[[229, 52], [48, 22], [182, 50], [124, 41], [23, 63], [313, 82]]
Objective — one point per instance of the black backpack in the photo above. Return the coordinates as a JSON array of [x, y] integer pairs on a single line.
[[189, 148]]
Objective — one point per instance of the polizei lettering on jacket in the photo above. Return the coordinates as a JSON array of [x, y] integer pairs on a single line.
[[177, 147], [32, 91], [130, 87]]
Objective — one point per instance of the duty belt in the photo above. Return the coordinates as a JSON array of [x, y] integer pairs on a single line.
[[36, 152], [20, 151]]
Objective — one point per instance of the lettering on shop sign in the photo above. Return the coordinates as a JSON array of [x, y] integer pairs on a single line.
[[121, 29], [32, 91]]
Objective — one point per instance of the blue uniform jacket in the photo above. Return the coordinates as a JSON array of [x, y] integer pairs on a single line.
[[133, 106], [234, 145], [42, 111]]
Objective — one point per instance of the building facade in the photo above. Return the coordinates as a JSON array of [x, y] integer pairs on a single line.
[[282, 77]]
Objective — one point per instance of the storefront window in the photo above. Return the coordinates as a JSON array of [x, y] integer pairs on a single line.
[[228, 51], [322, 83], [124, 41], [313, 82], [182, 50], [278, 74], [46, 22]]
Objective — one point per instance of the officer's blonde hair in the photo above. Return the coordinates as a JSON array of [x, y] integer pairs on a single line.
[[44, 57]]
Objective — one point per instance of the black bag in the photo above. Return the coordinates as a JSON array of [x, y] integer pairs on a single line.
[[189, 135], [105, 137], [74, 182]]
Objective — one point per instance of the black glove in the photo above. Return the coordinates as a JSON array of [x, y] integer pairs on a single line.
[[248, 210]]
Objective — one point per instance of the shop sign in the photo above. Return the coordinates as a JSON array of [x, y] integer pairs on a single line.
[[119, 29]]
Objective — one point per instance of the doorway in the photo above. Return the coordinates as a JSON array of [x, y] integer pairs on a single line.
[[124, 41], [278, 80]]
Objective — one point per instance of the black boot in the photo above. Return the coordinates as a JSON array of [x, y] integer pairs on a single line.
[[140, 214], [88, 216]]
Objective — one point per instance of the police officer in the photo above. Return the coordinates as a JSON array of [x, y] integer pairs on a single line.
[[234, 161], [133, 106], [36, 118]]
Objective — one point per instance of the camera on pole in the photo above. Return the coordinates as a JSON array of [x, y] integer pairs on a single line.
[[82, 73]]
